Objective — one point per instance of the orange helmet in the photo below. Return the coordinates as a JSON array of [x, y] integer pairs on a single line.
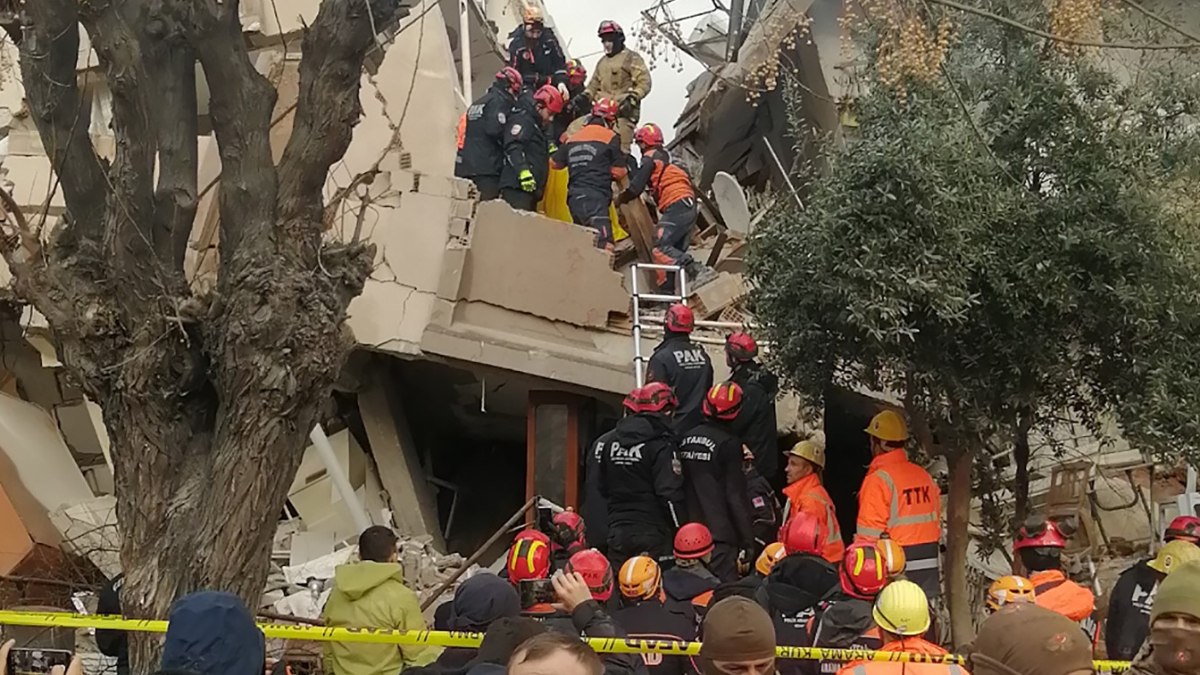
[[693, 541], [773, 553], [595, 570], [801, 534], [863, 573], [529, 557], [640, 578], [893, 556], [1007, 590]]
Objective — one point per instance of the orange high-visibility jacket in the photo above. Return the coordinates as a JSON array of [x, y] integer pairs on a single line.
[[1059, 594], [908, 644], [809, 496], [900, 498]]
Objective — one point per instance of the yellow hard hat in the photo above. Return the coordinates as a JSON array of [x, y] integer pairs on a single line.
[[902, 609], [1173, 554], [773, 553], [809, 450], [893, 555], [888, 426], [1010, 589], [640, 578]]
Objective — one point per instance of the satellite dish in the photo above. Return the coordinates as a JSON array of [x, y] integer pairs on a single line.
[[731, 200]]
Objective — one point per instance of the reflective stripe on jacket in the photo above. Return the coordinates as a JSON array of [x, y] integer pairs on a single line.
[[900, 498], [908, 644], [809, 496]]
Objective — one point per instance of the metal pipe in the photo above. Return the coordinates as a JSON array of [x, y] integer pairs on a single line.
[[736, 9], [437, 593], [321, 442], [464, 47], [703, 323]]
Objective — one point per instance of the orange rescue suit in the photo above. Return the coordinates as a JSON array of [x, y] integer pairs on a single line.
[[900, 498], [809, 496], [908, 644], [1059, 594]]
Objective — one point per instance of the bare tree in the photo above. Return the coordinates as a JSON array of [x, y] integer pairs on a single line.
[[207, 398]]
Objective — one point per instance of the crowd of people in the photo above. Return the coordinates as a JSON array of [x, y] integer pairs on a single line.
[[543, 113]]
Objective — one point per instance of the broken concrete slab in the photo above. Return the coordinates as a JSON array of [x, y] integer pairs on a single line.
[[319, 504], [714, 296], [38, 459], [89, 529]]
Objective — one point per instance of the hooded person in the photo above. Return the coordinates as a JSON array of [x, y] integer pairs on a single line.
[[371, 594], [845, 620], [1025, 639], [794, 588], [1173, 647], [212, 633], [478, 603], [738, 638]]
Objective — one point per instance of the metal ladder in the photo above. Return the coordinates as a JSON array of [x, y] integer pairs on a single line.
[[681, 285]]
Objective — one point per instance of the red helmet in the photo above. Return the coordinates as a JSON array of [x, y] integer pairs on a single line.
[[632, 401], [656, 397], [1185, 528], [551, 98], [568, 533], [529, 557], [576, 73], [680, 319], [512, 77], [801, 534], [724, 401], [740, 348], [605, 109], [1039, 532], [693, 541], [609, 27], [649, 136], [863, 572], [595, 570]]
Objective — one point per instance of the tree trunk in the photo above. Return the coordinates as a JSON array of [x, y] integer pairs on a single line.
[[1021, 460], [958, 514]]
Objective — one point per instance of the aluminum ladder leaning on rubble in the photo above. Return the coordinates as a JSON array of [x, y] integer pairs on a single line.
[[638, 297]]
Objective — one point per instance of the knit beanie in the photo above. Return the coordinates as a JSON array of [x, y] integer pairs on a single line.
[[1024, 639], [736, 629], [1179, 593]]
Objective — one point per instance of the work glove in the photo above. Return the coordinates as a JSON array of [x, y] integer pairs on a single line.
[[566, 93], [528, 183], [628, 106], [744, 560], [625, 197], [552, 147]]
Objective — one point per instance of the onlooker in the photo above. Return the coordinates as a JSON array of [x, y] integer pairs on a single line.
[[478, 602], [554, 653], [738, 638], [580, 594], [1025, 639], [372, 594], [75, 667], [501, 641], [212, 633], [1174, 644], [114, 643]]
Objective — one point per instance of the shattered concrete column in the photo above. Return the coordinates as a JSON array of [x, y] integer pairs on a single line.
[[414, 506]]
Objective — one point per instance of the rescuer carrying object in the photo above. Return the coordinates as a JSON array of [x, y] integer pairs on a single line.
[[481, 147], [1039, 546], [804, 493], [621, 75], [900, 498], [526, 148], [683, 365], [716, 487], [533, 49], [594, 159], [756, 426]]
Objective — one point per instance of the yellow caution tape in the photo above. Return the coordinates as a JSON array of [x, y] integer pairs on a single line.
[[472, 640]]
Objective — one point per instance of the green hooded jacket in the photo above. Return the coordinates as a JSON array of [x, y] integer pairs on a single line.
[[373, 595]]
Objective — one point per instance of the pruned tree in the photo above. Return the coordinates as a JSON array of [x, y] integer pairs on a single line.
[[207, 398], [1001, 243]]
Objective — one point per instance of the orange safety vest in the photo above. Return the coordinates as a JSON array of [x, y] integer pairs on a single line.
[[809, 496], [908, 644], [900, 498], [1059, 594]]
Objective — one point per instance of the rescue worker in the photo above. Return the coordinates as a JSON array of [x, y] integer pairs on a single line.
[[717, 494], [901, 613], [481, 145], [1185, 528], [595, 506], [646, 613], [901, 499], [795, 586], [804, 492], [594, 160], [584, 589], [683, 365], [527, 148], [641, 479], [1009, 590], [621, 75], [893, 557], [675, 199], [1039, 545], [528, 557], [690, 579], [845, 621], [1132, 598], [567, 537], [533, 50], [578, 105], [764, 507], [757, 426]]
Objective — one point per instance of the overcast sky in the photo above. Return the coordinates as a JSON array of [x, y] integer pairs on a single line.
[[576, 22]]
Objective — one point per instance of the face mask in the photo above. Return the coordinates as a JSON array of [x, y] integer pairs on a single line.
[[1176, 649], [608, 46]]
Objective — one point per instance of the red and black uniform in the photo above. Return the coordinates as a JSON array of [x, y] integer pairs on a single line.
[[481, 157], [791, 595], [756, 424], [593, 156], [595, 507], [844, 622], [764, 508], [538, 61], [525, 147], [717, 494], [675, 198], [685, 366], [660, 618]]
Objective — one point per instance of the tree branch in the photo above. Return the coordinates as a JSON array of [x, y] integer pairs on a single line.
[[49, 51], [1161, 21], [327, 111]]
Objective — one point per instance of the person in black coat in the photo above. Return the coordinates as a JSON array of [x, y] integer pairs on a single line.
[[113, 643], [527, 148], [481, 153], [684, 366], [647, 613], [1129, 607], [791, 595], [534, 51], [757, 425]]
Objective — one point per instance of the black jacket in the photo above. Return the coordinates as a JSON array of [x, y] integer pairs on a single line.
[[665, 619], [640, 475], [594, 156], [525, 147], [790, 595], [685, 585], [756, 425], [764, 508], [113, 643], [595, 507], [716, 488], [482, 153], [746, 587], [539, 63], [576, 106], [685, 366], [591, 620], [843, 622], [1129, 611]]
